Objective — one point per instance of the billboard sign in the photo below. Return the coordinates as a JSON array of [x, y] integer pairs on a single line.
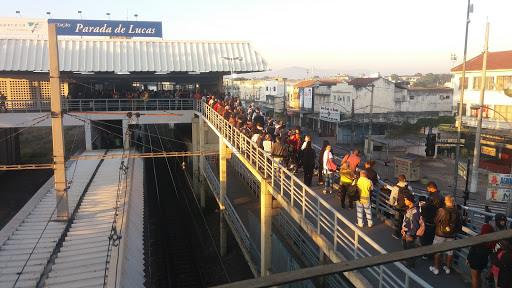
[[308, 98], [301, 97], [78, 27], [329, 113], [499, 195], [500, 180], [488, 151], [23, 26], [463, 171]]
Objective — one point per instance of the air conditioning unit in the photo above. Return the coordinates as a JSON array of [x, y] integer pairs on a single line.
[[441, 97]]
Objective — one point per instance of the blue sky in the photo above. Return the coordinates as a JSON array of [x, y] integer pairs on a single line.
[[396, 36]]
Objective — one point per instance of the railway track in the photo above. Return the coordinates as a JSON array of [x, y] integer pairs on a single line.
[[172, 246]]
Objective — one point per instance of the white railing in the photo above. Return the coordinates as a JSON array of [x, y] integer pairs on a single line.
[[96, 105], [344, 236]]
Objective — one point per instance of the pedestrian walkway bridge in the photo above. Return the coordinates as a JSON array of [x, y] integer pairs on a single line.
[[257, 200]]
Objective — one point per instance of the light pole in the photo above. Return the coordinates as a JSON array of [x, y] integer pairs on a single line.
[[108, 14], [461, 102], [476, 161], [19, 13], [80, 12], [49, 14], [136, 15], [232, 59]]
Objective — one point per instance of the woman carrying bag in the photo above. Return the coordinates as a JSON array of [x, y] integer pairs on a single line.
[[328, 168]]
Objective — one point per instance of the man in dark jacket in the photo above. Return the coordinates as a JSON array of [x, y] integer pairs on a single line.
[[429, 210], [448, 221]]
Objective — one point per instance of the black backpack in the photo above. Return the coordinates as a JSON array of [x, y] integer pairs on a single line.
[[400, 200], [353, 192]]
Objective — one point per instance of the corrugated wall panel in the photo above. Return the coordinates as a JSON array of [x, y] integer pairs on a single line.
[[108, 55]]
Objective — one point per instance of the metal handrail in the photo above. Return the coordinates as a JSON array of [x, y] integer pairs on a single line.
[[322, 217], [44, 105]]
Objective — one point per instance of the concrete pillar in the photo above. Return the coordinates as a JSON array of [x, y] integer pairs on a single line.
[[266, 228], [196, 170], [223, 189], [322, 261], [88, 136], [202, 145], [126, 136]]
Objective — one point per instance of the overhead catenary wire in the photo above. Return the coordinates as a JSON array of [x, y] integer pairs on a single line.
[[21, 130], [118, 126], [204, 220]]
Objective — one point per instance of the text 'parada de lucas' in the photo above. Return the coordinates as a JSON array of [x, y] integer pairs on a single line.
[[104, 29]]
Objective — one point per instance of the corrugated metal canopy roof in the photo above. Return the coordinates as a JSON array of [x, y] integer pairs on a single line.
[[128, 55]]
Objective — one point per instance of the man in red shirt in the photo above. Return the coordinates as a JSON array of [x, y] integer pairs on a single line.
[[353, 160]]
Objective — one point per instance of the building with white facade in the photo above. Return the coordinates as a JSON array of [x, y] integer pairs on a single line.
[[497, 132]]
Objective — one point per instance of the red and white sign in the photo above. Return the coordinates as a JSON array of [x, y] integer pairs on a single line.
[[329, 113]]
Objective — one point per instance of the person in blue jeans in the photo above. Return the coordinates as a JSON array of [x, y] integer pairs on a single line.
[[328, 174], [365, 186]]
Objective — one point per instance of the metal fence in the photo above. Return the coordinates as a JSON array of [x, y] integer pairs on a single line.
[[97, 105], [344, 236]]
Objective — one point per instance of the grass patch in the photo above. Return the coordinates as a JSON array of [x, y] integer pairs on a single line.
[[36, 145]]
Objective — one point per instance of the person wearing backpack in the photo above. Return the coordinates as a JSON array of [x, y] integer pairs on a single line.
[[397, 200], [448, 221], [410, 227]]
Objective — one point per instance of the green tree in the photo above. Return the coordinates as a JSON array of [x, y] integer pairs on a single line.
[[394, 77], [418, 74]]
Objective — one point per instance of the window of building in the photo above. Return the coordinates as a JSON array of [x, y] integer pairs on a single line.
[[447, 97], [465, 82], [501, 81], [411, 97], [489, 83], [274, 88], [266, 88], [504, 110]]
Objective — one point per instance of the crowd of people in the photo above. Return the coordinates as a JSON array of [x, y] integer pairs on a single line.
[[428, 220], [137, 94]]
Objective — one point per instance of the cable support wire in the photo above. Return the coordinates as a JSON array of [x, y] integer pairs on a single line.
[[115, 236], [141, 131], [27, 121], [204, 219], [19, 131]]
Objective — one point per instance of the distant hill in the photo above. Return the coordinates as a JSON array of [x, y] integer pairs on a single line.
[[296, 72]]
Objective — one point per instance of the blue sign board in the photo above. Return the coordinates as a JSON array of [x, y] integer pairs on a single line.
[[72, 27]]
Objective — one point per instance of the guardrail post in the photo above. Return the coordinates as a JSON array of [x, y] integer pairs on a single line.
[[266, 228]]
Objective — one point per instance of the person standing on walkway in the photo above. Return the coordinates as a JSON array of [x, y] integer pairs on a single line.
[[353, 159], [434, 202], [397, 200], [308, 162], [328, 173], [410, 227], [374, 177], [279, 151], [448, 221], [478, 257], [346, 179], [364, 185], [321, 163]]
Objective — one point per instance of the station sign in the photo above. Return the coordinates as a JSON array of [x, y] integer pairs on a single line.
[[308, 98], [463, 171], [78, 27], [500, 180]]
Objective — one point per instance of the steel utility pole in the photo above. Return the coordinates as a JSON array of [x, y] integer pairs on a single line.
[[476, 159], [352, 130], [57, 127], [461, 103]]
